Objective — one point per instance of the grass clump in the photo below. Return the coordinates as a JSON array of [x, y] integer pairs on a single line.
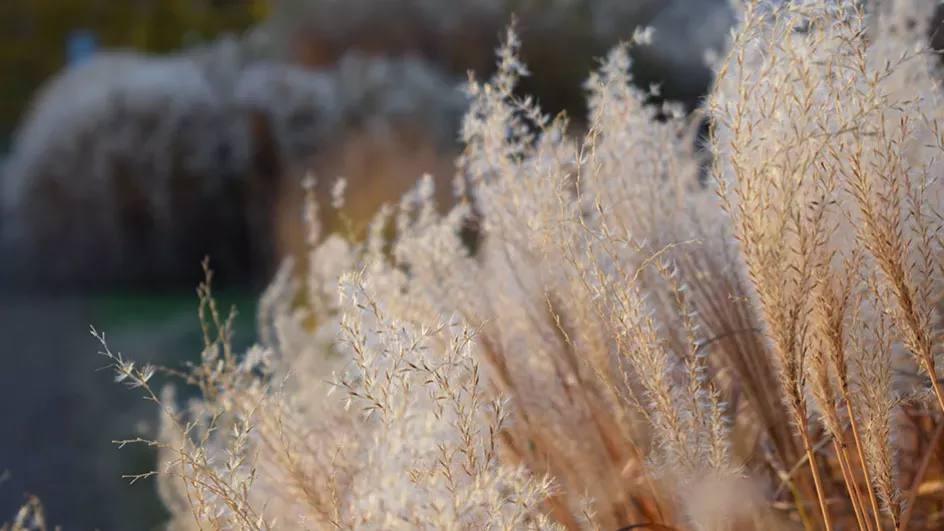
[[628, 346]]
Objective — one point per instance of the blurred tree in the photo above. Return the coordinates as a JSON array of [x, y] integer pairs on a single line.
[[34, 35]]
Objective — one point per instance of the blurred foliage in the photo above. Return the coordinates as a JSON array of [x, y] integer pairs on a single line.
[[34, 35], [119, 309]]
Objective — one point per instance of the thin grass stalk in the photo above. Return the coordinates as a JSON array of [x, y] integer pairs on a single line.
[[817, 480], [873, 501], [851, 486]]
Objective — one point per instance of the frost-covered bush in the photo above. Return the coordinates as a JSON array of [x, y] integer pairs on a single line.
[[132, 168], [297, 107], [124, 169], [291, 114]]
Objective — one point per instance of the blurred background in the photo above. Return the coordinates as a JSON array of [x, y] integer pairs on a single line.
[[59, 411], [138, 137]]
